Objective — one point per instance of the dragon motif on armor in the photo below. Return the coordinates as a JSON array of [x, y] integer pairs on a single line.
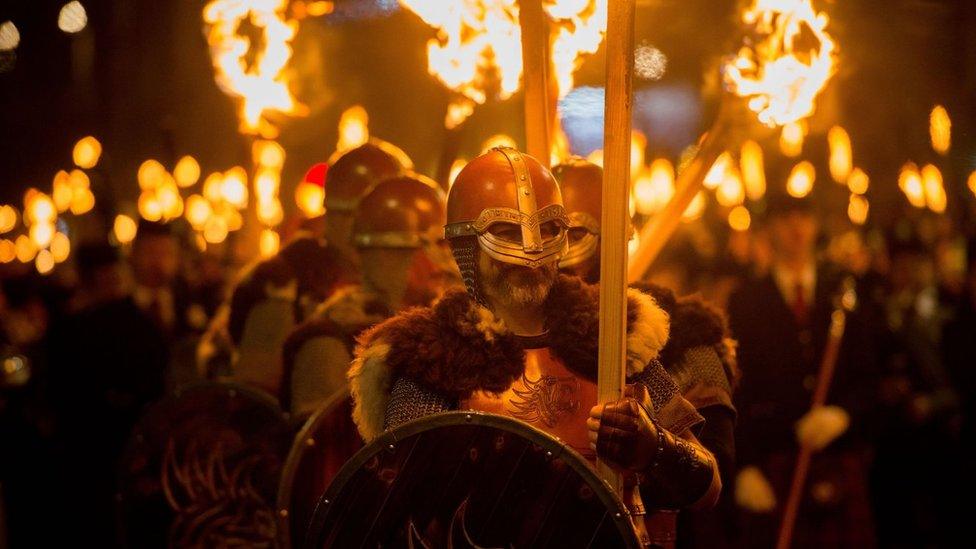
[[546, 400], [216, 507]]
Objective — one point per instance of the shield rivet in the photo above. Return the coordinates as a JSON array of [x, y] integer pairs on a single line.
[[310, 442], [390, 447], [325, 501], [283, 513], [617, 515]]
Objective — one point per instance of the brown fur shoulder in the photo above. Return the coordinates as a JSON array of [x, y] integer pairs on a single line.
[[454, 348], [574, 330]]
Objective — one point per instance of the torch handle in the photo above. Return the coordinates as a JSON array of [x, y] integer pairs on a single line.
[[824, 378], [615, 220], [656, 233], [535, 71]]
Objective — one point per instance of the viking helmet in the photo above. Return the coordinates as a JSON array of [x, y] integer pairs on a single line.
[[358, 170], [581, 183], [406, 211]]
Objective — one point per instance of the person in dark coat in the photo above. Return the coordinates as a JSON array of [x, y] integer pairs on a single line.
[[781, 322], [107, 361]]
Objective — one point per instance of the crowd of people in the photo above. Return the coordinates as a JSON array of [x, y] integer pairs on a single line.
[[746, 332]]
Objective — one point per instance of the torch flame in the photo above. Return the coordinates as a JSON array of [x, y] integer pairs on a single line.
[[786, 60], [477, 51], [253, 72]]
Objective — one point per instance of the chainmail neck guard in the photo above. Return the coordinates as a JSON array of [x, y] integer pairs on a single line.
[[465, 251]]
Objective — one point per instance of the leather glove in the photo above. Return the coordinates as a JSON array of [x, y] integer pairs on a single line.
[[821, 426], [622, 433]]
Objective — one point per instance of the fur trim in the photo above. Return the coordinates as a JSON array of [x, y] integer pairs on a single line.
[[694, 323], [647, 333], [369, 385], [574, 333], [457, 347]]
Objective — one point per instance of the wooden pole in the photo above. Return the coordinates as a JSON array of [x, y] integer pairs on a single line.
[[615, 219], [826, 374], [535, 77], [656, 233]]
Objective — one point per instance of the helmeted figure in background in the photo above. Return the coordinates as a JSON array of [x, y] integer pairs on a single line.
[[397, 233], [245, 339], [699, 354], [522, 342]]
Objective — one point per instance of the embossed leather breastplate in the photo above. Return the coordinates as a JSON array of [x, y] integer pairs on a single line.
[[549, 397]]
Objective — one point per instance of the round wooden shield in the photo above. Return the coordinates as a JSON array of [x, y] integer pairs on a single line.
[[468, 479], [326, 442], [201, 469]]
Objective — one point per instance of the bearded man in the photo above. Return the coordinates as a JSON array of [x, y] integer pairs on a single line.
[[523, 340]]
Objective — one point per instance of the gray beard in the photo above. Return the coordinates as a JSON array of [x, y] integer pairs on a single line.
[[503, 291]]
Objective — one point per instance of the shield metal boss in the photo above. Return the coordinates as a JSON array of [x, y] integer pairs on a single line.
[[201, 469], [326, 442], [468, 479]]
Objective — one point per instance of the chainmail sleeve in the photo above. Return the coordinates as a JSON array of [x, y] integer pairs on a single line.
[[702, 379], [670, 409], [409, 400]]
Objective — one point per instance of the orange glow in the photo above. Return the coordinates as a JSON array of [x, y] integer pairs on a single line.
[[8, 251], [41, 234], [170, 202], [910, 183], [187, 171], [269, 243], [124, 229], [213, 187], [266, 185], [353, 128], [151, 174], [86, 152], [753, 170], [858, 182], [935, 194], [638, 143], [8, 218], [498, 140], [39, 207], [61, 191], [596, 157], [971, 182], [268, 154], [25, 249], [857, 209], [801, 180], [215, 231], [233, 190], [940, 130], [791, 139], [559, 150], [654, 187], [731, 191], [841, 157], [310, 199], [82, 201], [257, 78], [695, 208], [60, 247], [270, 212], [149, 207], [478, 46], [777, 69], [198, 210], [44, 262], [740, 219], [719, 171], [456, 168]]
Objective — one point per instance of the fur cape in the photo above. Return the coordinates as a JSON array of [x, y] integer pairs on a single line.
[[694, 323], [457, 347]]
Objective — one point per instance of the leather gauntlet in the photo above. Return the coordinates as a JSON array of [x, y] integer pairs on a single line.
[[672, 472]]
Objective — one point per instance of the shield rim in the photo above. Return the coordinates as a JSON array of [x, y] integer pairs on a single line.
[[295, 454], [551, 444]]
